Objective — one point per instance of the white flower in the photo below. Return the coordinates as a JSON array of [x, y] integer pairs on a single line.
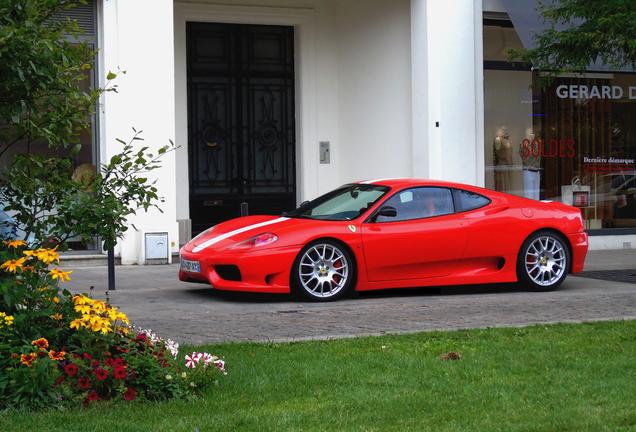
[[191, 362], [192, 384], [169, 377], [173, 347], [208, 359], [220, 365], [184, 375]]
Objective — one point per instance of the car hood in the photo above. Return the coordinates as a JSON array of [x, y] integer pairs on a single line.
[[234, 231]]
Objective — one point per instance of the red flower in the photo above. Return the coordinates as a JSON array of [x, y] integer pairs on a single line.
[[109, 361], [142, 337], [92, 396], [70, 369], [119, 362], [77, 356], [95, 363], [59, 380], [120, 372], [87, 356], [130, 394], [101, 374], [84, 383]]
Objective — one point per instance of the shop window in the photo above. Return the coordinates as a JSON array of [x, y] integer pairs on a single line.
[[572, 139]]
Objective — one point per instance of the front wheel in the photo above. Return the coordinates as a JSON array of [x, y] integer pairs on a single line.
[[323, 271], [543, 261]]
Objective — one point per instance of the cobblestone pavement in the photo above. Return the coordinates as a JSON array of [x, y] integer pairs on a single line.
[[192, 313]]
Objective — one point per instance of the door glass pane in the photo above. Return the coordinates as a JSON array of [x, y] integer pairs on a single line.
[[417, 203]]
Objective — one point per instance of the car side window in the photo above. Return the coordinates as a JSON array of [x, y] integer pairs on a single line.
[[418, 203], [465, 200]]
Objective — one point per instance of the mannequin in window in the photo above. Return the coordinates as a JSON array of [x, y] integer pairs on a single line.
[[502, 159], [531, 160]]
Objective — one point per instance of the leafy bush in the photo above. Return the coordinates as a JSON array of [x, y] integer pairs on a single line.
[[48, 206], [58, 348]]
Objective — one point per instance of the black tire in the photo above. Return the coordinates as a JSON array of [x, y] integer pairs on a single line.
[[544, 261], [326, 269]]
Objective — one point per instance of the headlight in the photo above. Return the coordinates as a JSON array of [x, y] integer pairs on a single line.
[[256, 241], [203, 233]]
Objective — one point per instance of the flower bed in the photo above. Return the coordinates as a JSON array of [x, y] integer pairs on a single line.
[[58, 348]]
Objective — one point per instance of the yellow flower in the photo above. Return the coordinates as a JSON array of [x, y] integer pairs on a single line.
[[28, 253], [56, 316], [47, 256], [83, 309], [80, 299], [14, 243], [8, 320], [62, 276], [13, 265], [56, 299], [76, 324], [123, 330]]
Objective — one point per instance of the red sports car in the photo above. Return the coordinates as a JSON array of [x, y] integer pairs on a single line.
[[392, 233]]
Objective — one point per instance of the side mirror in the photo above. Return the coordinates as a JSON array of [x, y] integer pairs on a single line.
[[388, 211], [303, 204]]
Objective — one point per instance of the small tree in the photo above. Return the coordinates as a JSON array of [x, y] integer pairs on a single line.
[[42, 62], [582, 32]]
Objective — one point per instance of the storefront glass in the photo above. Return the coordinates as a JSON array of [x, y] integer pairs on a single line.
[[571, 140]]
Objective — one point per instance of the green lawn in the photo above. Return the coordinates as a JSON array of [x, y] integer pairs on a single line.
[[579, 377]]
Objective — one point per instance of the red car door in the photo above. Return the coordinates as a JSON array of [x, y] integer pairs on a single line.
[[424, 239]]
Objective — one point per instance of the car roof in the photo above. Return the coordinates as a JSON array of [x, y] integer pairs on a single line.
[[405, 182]]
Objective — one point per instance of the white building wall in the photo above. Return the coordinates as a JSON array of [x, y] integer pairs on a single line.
[[454, 90], [137, 38], [374, 89]]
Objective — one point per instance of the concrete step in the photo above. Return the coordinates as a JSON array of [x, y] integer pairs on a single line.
[[70, 260]]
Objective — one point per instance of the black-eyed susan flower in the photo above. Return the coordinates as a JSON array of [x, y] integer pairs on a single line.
[[13, 265], [62, 276], [14, 243]]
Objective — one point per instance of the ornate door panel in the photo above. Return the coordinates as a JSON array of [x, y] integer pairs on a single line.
[[241, 130]]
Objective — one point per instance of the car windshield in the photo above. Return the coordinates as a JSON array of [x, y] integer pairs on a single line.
[[345, 203]]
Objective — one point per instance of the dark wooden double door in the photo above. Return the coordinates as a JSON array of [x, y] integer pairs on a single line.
[[241, 128]]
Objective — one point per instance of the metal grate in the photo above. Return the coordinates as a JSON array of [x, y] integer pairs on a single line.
[[84, 14]]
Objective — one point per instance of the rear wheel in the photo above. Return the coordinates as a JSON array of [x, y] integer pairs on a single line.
[[323, 271], [543, 261]]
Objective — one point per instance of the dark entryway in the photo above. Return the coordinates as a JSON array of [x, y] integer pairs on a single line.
[[241, 129]]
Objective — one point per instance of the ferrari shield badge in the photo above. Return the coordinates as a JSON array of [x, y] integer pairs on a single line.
[[352, 228]]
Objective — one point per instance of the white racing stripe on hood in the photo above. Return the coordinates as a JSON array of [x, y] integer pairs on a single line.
[[229, 234]]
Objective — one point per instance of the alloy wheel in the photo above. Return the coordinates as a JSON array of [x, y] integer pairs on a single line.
[[323, 270]]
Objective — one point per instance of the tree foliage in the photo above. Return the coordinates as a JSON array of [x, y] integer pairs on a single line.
[[43, 61], [582, 32]]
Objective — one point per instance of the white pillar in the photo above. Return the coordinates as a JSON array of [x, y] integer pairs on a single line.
[[137, 37], [447, 82]]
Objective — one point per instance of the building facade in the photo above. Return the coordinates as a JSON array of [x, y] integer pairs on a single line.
[[273, 102]]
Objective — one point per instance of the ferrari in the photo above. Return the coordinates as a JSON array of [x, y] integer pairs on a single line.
[[392, 233]]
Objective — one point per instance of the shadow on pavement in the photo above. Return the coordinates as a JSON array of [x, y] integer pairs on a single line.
[[245, 297]]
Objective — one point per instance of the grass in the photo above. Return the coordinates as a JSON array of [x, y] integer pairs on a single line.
[[567, 377]]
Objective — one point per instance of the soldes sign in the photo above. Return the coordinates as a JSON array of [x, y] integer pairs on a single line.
[[563, 148]]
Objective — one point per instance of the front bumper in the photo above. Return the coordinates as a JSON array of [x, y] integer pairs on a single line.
[[266, 271]]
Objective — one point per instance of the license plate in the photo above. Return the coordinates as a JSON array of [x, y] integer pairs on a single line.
[[191, 266]]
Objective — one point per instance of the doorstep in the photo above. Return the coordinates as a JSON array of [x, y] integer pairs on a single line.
[[71, 260]]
